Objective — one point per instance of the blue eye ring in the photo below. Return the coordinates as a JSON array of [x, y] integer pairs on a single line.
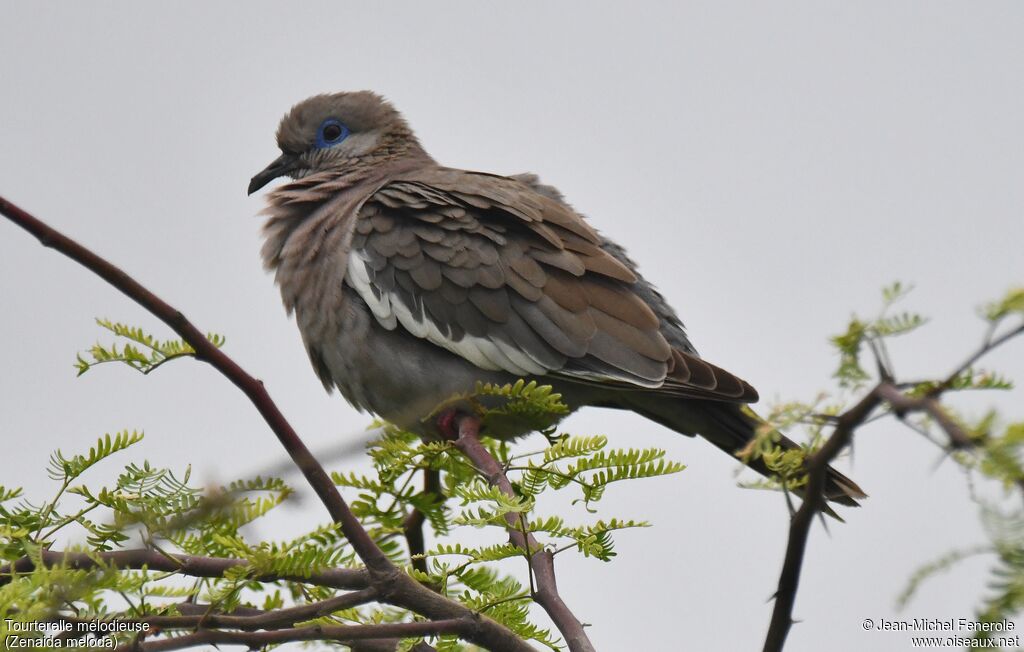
[[330, 133]]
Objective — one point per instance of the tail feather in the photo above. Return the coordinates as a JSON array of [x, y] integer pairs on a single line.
[[729, 428]]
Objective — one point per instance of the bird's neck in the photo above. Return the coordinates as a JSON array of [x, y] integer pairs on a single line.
[[329, 196]]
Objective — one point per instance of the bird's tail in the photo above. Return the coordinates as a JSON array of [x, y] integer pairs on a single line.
[[730, 428]]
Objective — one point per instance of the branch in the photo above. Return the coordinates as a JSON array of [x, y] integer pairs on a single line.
[[340, 633], [987, 346], [542, 563], [395, 586], [267, 619], [368, 551], [189, 565], [800, 525], [902, 404], [888, 391], [194, 616]]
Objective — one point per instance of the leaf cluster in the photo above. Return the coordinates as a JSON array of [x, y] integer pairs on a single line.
[[987, 449], [142, 352], [466, 572], [163, 511]]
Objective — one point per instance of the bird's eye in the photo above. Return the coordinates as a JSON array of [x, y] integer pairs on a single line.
[[330, 133]]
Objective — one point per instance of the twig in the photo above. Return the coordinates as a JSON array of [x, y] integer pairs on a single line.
[[188, 565], [987, 346], [339, 633], [268, 619], [800, 524], [387, 645], [541, 560], [902, 404], [188, 608], [891, 392]]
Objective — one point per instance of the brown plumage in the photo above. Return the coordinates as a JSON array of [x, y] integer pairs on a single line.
[[411, 281]]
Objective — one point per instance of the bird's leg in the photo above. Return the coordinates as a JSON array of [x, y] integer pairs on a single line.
[[451, 423], [467, 427], [463, 429]]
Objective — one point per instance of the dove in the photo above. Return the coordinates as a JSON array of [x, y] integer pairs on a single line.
[[411, 282]]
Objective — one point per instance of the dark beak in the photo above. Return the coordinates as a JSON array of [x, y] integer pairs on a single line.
[[282, 165]]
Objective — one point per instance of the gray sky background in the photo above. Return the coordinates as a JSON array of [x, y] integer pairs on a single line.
[[771, 166]]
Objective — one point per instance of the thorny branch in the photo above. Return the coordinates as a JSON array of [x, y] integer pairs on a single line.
[[394, 585], [338, 633], [887, 392]]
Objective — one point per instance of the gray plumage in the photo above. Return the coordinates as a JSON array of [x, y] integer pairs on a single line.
[[411, 281]]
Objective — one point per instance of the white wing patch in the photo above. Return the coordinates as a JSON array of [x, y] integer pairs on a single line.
[[390, 311]]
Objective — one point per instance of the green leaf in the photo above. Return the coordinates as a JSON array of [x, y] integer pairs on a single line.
[[64, 468], [1011, 303], [142, 352]]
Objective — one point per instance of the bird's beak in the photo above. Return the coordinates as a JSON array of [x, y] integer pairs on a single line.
[[282, 165]]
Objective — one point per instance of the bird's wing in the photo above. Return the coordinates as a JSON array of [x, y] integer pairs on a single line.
[[513, 280]]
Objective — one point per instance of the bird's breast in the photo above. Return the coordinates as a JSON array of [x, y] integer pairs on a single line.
[[395, 375]]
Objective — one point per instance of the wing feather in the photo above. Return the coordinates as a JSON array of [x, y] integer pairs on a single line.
[[514, 280]]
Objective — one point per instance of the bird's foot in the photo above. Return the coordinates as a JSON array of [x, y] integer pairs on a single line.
[[448, 424], [453, 424]]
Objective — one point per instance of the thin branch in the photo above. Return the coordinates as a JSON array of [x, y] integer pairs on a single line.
[[274, 619], [188, 565], [198, 609], [541, 560], [902, 404], [987, 346], [800, 524], [888, 391], [395, 586], [387, 645], [339, 633]]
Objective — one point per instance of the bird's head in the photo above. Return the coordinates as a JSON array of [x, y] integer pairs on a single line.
[[338, 132]]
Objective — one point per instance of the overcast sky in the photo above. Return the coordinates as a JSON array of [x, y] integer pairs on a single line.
[[770, 165]]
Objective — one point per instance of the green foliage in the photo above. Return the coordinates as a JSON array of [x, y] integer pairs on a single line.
[[871, 333], [384, 498], [66, 470], [162, 510], [1006, 531], [1000, 457], [527, 407], [985, 449], [8, 494], [1012, 303], [969, 378], [996, 457], [1005, 597], [787, 464], [940, 565], [142, 352], [511, 409], [593, 468]]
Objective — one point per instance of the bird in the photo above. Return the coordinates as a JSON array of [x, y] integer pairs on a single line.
[[412, 282]]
